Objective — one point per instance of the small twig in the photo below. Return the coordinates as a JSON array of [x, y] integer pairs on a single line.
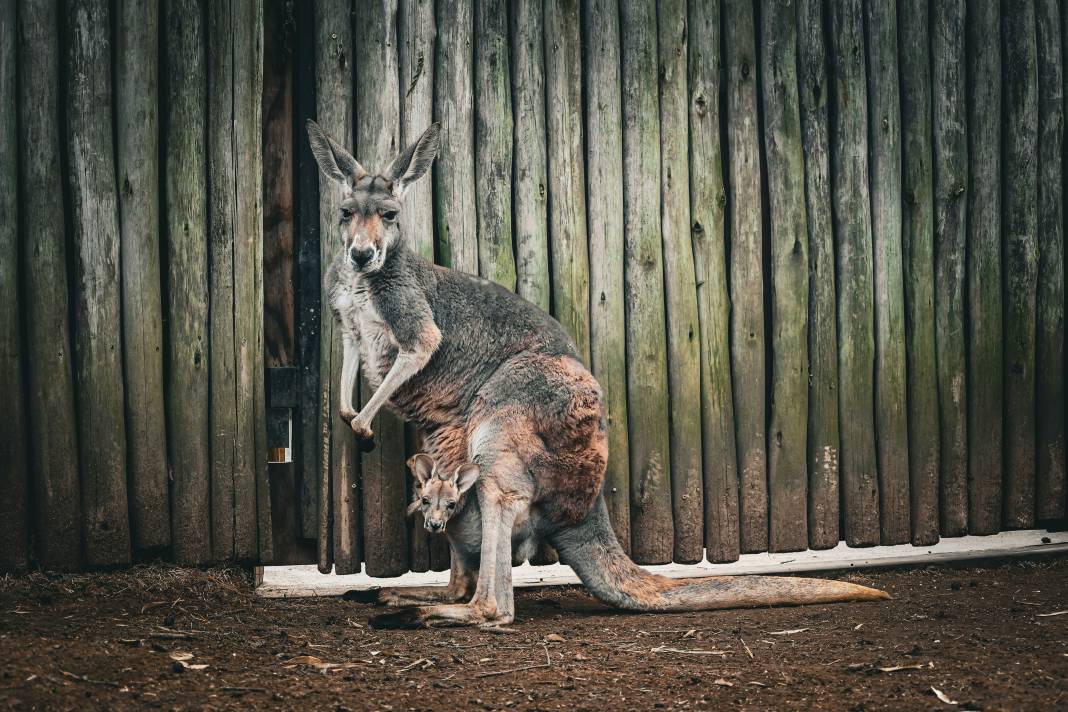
[[242, 689], [663, 649], [747, 649], [548, 663], [83, 678]]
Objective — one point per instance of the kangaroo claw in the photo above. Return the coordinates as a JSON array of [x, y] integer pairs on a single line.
[[401, 620]]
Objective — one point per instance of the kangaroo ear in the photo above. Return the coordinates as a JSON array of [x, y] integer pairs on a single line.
[[466, 476], [334, 161], [422, 467], [414, 161]]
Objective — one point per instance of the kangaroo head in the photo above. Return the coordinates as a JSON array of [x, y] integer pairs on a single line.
[[439, 494], [371, 204]]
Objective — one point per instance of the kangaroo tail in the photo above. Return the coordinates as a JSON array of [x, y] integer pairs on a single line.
[[591, 549]]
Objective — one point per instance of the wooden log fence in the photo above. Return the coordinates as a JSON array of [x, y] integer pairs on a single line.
[[813, 252]]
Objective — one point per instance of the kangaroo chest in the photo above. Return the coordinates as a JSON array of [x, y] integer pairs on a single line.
[[358, 312]]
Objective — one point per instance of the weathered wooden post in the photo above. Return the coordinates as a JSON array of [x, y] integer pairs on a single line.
[[14, 496], [852, 226], [137, 164], [823, 439], [746, 272], [985, 364], [604, 200], [651, 529], [1049, 346], [707, 232], [97, 300], [385, 478], [891, 399], [683, 326], [1019, 240], [918, 246], [788, 247], [530, 182]]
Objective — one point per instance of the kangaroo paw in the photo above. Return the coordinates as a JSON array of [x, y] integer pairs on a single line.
[[401, 620], [370, 595]]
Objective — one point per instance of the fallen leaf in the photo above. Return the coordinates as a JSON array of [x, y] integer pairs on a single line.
[[554, 638], [199, 666], [722, 683], [788, 632], [304, 660], [690, 633], [181, 656], [758, 684], [943, 696], [580, 656]]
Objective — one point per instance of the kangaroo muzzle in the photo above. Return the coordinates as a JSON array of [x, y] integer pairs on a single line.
[[362, 256]]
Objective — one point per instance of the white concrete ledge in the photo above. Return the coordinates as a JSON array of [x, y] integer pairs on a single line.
[[285, 581]]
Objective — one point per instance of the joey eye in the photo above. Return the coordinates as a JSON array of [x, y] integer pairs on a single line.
[[426, 501], [346, 215], [389, 215]]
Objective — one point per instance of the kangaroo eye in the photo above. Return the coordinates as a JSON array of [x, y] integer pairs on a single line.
[[426, 501], [451, 505], [389, 215]]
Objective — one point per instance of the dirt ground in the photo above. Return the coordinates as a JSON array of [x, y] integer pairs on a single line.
[[176, 639]]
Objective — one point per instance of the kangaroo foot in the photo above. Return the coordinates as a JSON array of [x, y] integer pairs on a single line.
[[458, 614]]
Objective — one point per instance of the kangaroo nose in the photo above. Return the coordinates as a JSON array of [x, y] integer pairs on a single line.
[[360, 258]]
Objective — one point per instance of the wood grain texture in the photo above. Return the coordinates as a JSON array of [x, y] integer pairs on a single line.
[[14, 482], [98, 368], [708, 202], [454, 169], [1049, 338], [823, 435], [185, 228], [853, 235], [604, 202], [891, 400], [788, 257], [569, 249], [951, 180], [493, 143], [748, 346], [914, 50], [1020, 259], [378, 141], [337, 462], [530, 189], [985, 346], [683, 325], [652, 531], [137, 164]]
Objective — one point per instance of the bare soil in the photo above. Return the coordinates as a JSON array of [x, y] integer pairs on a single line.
[[982, 636]]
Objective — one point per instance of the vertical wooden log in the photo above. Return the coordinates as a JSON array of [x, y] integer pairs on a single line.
[[788, 245], [1049, 347], [529, 177], [233, 150], [985, 364], [914, 50], [891, 400], [683, 326], [97, 299], [416, 40], [14, 496], [339, 512], [378, 141], [1020, 229], [454, 169], [137, 157], [185, 209], [707, 211], [493, 143], [823, 440], [951, 180], [604, 196], [746, 271], [652, 531], [852, 227], [567, 179]]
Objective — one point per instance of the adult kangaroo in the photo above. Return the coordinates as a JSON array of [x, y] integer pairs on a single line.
[[492, 380]]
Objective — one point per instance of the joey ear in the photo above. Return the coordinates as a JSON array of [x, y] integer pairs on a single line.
[[334, 161], [466, 476], [414, 161], [414, 507], [422, 467]]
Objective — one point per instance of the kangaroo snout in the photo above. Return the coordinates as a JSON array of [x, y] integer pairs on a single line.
[[435, 526], [361, 257]]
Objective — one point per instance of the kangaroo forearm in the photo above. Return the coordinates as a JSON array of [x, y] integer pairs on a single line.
[[407, 365]]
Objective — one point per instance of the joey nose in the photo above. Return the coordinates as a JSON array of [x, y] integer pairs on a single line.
[[359, 257], [435, 526]]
